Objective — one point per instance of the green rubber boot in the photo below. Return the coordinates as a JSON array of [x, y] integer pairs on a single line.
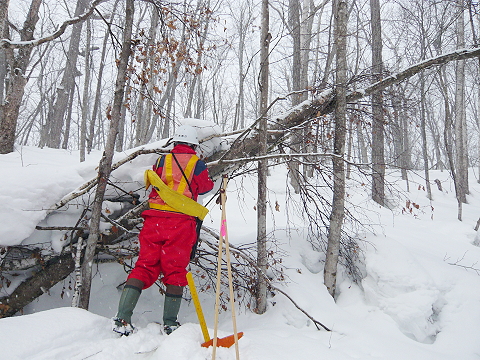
[[170, 312], [128, 301]]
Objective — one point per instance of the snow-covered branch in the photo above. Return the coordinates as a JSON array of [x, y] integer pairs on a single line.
[[324, 102], [6, 43], [91, 183], [461, 54]]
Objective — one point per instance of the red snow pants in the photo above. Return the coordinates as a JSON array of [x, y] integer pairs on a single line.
[[166, 241]]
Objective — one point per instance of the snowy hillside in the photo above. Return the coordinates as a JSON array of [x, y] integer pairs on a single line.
[[419, 298]]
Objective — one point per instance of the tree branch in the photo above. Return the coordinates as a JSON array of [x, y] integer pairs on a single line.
[[461, 54], [6, 43], [252, 263]]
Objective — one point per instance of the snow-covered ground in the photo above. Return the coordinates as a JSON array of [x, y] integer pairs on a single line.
[[419, 298]]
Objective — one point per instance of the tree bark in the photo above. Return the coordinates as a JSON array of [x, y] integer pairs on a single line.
[[265, 36], [86, 97], [105, 165], [461, 158], [297, 137], [68, 82], [423, 127], [3, 59], [378, 152], [98, 91], [338, 204], [51, 273], [143, 117], [18, 63], [198, 71], [243, 23]]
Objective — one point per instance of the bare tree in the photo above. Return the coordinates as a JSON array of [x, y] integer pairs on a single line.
[[243, 23], [17, 64], [461, 158], [423, 127], [65, 89], [265, 37], [98, 90], [86, 93], [378, 142], [142, 115], [338, 204], [3, 61], [196, 80], [105, 166]]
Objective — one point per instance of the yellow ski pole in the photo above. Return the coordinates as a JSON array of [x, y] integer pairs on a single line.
[[198, 307], [226, 341]]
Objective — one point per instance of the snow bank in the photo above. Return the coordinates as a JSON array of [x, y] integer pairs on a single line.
[[419, 300], [32, 180]]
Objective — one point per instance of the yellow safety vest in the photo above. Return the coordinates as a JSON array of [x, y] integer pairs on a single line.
[[172, 192]]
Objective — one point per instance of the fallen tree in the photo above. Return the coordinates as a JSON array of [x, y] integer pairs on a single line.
[[242, 150]]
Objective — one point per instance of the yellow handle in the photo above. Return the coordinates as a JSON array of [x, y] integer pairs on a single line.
[[196, 303]]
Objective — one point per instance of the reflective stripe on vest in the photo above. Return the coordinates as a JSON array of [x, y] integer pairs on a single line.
[[176, 202], [172, 176]]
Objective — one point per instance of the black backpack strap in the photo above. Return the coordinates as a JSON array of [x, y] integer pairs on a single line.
[[183, 173]]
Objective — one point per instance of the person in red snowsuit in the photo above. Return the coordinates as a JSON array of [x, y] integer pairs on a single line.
[[168, 236]]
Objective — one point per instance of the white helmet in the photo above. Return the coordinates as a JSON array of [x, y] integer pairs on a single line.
[[186, 134]]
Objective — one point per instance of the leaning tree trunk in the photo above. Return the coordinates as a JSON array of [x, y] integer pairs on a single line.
[[106, 161], [338, 204], [51, 273], [223, 161]]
